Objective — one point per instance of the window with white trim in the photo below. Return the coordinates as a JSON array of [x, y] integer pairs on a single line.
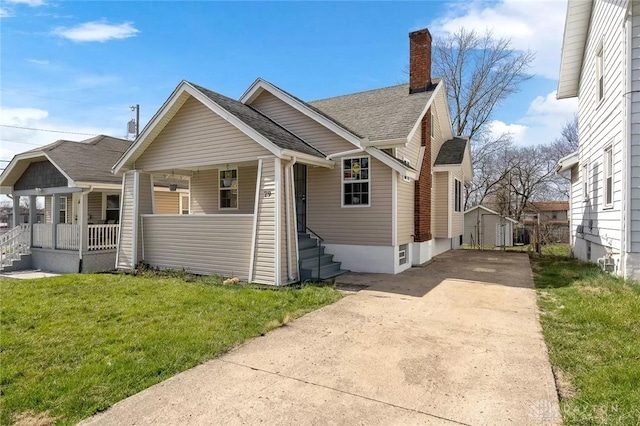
[[184, 204], [458, 195], [600, 74], [62, 218], [585, 181], [608, 177], [228, 189], [356, 182], [112, 210]]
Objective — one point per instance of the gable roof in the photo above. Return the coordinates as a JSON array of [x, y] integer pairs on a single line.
[[380, 114], [275, 138], [576, 30], [452, 151], [277, 134], [488, 210]]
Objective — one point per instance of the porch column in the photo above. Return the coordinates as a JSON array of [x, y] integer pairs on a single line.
[[55, 218], [32, 217], [16, 210], [83, 225]]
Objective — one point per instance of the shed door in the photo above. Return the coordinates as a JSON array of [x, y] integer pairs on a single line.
[[500, 234]]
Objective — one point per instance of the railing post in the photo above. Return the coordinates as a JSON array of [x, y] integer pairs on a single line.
[[55, 218], [83, 225], [16, 211], [32, 217]]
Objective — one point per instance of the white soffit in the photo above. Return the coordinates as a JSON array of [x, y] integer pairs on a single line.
[[576, 30]]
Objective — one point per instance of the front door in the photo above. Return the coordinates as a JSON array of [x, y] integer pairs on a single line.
[[300, 185]]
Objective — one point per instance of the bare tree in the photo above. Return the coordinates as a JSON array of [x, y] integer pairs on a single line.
[[480, 72], [566, 144]]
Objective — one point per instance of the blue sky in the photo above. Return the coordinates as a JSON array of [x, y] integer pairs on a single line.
[[76, 66]]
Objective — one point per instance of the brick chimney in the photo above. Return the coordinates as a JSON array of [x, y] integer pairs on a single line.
[[419, 61], [420, 81]]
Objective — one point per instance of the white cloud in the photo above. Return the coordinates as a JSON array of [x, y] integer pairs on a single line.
[[30, 3], [37, 61], [534, 25], [99, 31], [542, 123], [21, 136], [5, 13]]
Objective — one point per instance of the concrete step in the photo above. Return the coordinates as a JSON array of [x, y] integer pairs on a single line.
[[309, 253], [312, 262], [20, 264], [305, 243], [326, 271]]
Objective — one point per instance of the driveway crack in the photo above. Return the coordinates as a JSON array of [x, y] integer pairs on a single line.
[[347, 393]]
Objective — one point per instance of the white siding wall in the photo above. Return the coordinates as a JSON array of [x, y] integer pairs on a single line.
[[196, 136], [125, 245], [299, 124], [601, 125], [264, 258], [457, 218], [212, 244], [204, 191], [634, 181]]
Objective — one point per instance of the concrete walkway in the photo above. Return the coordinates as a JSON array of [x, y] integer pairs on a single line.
[[455, 342]]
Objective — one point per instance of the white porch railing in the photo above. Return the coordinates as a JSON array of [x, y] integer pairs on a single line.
[[103, 237], [13, 244], [67, 236], [42, 235]]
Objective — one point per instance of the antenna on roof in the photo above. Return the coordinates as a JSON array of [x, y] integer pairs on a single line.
[[133, 126]]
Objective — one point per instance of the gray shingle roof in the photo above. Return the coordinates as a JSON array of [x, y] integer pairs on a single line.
[[452, 151], [380, 114], [91, 160], [261, 123]]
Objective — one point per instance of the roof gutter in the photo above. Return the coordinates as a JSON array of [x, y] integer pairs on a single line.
[[343, 153], [385, 143], [288, 154]]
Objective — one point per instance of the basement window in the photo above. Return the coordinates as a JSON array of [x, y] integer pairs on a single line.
[[228, 188], [356, 189], [402, 254]]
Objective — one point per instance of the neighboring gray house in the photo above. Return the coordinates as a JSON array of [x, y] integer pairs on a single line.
[[600, 53], [283, 190], [82, 198], [485, 227]]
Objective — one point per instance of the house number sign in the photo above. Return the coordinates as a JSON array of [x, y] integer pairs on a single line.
[[267, 194]]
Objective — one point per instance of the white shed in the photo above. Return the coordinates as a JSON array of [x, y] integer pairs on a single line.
[[485, 227]]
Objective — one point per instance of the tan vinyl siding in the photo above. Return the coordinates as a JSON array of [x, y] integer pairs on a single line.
[[211, 244], [204, 191], [167, 202], [48, 200], [349, 225], [441, 205], [457, 218], [145, 205], [264, 265], [95, 207], [404, 210], [299, 124], [196, 136], [125, 245], [412, 151]]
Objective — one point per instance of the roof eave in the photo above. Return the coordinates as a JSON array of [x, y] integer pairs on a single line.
[[567, 162], [576, 29]]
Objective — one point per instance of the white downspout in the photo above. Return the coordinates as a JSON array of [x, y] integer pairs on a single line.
[[288, 180]]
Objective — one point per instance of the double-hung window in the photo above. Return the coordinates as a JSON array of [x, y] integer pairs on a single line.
[[458, 195], [608, 177], [112, 212], [62, 218], [228, 188], [356, 181]]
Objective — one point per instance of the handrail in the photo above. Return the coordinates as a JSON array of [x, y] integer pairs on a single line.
[[14, 243], [320, 241]]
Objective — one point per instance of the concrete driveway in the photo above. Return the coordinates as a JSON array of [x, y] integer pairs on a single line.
[[455, 342]]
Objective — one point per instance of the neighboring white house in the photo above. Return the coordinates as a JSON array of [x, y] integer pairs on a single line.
[[601, 44], [485, 227]]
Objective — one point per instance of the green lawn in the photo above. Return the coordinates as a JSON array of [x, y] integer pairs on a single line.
[[591, 323], [74, 345]]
